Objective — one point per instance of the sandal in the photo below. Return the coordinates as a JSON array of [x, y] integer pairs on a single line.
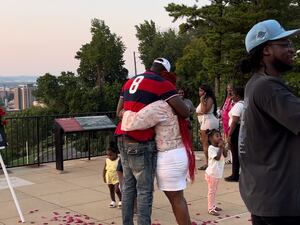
[[218, 209], [213, 212], [203, 167], [112, 204]]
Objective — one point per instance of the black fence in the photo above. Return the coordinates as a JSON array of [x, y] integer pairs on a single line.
[[31, 140]]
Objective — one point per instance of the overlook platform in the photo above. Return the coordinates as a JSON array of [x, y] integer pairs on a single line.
[[79, 196]]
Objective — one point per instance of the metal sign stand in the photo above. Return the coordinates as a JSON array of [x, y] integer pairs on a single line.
[[11, 187]]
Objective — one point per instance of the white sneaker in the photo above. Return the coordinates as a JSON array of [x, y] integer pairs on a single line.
[[112, 205], [120, 204]]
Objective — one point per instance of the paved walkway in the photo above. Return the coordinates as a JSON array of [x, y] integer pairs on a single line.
[[79, 196]]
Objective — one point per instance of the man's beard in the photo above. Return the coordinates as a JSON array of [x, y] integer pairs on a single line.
[[281, 66]]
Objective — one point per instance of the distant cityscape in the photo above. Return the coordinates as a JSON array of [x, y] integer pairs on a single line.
[[16, 92]]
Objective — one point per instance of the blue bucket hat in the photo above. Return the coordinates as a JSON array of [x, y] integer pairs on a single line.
[[264, 31]]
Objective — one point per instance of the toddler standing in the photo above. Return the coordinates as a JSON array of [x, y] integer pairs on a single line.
[[110, 175], [215, 169]]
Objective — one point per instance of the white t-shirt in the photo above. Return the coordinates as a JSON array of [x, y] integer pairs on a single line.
[[215, 167], [236, 110]]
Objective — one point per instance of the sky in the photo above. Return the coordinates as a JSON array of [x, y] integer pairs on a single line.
[[43, 36]]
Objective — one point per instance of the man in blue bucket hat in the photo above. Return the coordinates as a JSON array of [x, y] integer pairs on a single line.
[[269, 141]]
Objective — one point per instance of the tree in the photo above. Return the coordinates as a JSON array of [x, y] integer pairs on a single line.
[[154, 44], [222, 26], [101, 60], [48, 91]]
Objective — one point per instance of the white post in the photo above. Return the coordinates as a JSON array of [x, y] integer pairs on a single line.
[[11, 189]]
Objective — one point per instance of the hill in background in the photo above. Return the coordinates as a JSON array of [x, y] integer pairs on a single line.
[[13, 81]]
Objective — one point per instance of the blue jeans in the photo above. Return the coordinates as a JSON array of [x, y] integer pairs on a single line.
[[139, 166]]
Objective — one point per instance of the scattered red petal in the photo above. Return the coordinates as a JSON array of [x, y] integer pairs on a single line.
[[193, 223]]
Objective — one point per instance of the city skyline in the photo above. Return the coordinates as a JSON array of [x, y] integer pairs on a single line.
[[40, 36]]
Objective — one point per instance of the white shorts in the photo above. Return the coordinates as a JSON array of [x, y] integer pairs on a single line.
[[172, 170]]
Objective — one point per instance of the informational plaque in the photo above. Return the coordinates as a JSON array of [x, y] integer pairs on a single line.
[[85, 123]]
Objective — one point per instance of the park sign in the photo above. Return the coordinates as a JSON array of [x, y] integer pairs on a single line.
[[87, 123]]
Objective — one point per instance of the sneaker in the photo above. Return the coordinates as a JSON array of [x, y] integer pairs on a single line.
[[231, 179], [120, 204], [213, 212], [112, 204]]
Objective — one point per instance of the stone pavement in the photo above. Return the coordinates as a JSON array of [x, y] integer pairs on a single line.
[[79, 196]]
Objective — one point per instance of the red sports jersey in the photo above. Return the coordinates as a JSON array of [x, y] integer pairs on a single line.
[[140, 91]]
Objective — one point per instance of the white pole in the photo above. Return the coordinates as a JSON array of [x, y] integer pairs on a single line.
[[11, 189]]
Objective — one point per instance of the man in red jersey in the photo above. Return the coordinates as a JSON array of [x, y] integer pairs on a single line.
[[137, 148]]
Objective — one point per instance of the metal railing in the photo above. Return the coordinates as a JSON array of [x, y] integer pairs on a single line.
[[31, 140]]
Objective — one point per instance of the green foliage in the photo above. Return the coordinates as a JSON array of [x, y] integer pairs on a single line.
[[154, 44], [99, 79], [101, 60], [220, 30]]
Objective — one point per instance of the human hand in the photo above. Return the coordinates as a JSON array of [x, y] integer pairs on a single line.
[[229, 140], [221, 144], [120, 115], [203, 97]]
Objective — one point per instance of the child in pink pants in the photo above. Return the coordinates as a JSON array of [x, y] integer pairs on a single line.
[[215, 169]]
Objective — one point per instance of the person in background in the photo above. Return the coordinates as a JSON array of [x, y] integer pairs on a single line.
[[225, 108], [234, 129], [207, 117], [215, 169], [269, 137], [110, 176], [187, 102], [137, 148]]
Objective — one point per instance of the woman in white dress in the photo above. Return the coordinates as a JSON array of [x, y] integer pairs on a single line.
[[207, 117]]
